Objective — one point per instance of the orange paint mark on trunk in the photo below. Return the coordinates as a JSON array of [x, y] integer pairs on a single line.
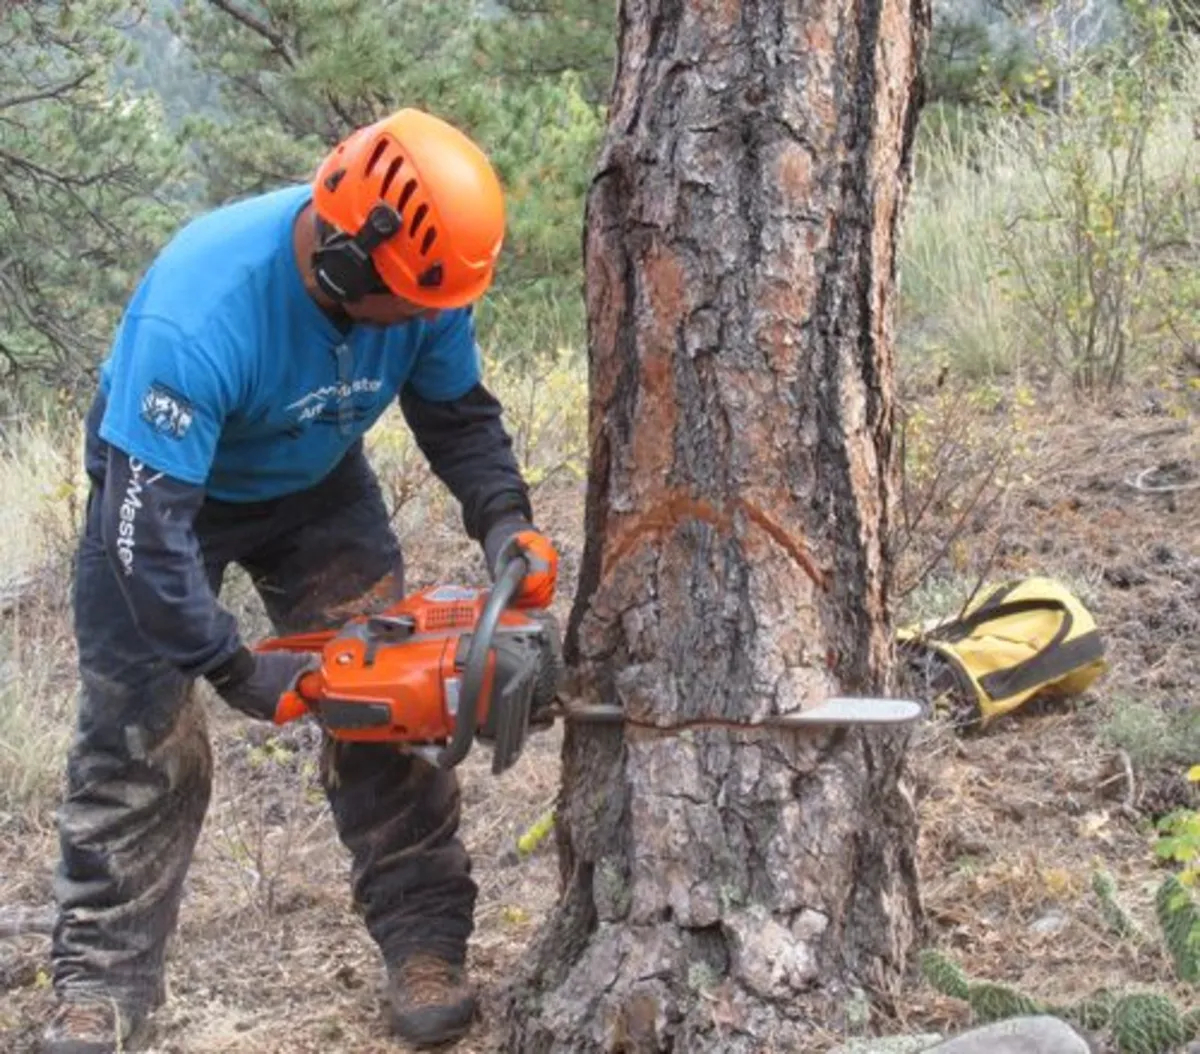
[[678, 507], [666, 304], [660, 519], [794, 547]]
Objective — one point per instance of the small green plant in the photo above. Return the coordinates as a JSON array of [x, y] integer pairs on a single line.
[[1116, 918], [1152, 737], [995, 1002], [1175, 905], [944, 975], [1179, 919], [1179, 839]]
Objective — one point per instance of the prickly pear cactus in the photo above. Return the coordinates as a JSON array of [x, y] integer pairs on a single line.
[[1094, 1012], [1115, 916], [1147, 1023], [943, 975], [994, 1002], [1139, 1023], [1179, 919]]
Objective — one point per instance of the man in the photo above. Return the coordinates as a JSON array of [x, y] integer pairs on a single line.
[[259, 347]]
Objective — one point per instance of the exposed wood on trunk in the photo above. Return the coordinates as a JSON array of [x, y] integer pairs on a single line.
[[728, 891]]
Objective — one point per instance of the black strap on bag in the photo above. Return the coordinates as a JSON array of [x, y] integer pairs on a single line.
[[1058, 658]]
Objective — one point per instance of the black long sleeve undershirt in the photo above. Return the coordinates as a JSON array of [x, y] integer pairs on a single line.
[[471, 452], [146, 526]]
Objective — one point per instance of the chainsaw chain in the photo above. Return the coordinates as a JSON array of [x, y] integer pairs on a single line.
[[603, 714]]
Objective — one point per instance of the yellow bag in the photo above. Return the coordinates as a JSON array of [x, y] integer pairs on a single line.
[[1022, 638]]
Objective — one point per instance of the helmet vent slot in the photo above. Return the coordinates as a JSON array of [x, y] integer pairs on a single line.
[[417, 220], [390, 176], [410, 188], [431, 277], [376, 155], [428, 240]]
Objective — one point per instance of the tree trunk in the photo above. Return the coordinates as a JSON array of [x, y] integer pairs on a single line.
[[732, 890]]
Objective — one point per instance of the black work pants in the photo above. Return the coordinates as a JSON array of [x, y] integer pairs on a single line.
[[139, 771]]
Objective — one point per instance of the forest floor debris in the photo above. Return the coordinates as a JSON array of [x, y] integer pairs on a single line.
[[1014, 820]]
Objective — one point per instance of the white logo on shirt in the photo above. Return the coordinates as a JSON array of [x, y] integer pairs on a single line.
[[130, 506], [313, 403], [166, 411]]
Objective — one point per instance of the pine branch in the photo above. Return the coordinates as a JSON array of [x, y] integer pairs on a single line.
[[53, 91], [256, 25]]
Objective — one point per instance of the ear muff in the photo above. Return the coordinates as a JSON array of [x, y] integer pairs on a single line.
[[342, 262]]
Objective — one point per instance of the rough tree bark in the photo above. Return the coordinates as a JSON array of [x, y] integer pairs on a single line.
[[729, 890]]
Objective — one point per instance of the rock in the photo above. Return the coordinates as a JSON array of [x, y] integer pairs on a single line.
[[1019, 1035], [17, 970], [916, 1044], [1051, 922]]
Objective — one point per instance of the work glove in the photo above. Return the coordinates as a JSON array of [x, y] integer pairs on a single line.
[[511, 538], [253, 682]]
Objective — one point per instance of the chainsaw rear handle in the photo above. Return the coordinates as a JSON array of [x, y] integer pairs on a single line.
[[466, 720]]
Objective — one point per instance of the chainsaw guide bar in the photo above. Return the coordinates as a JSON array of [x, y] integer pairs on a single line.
[[449, 666], [835, 712]]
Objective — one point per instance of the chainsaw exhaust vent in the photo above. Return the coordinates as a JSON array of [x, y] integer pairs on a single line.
[[447, 616]]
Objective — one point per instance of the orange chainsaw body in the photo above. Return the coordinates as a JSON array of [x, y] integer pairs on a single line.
[[395, 676]]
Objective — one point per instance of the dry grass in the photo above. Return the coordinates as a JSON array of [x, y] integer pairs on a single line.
[[36, 706], [1014, 821], [961, 305], [42, 488]]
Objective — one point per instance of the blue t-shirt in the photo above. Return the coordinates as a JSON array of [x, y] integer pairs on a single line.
[[225, 373]]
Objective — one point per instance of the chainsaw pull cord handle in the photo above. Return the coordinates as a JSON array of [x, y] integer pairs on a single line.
[[466, 720]]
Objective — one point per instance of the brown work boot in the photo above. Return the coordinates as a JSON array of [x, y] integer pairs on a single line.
[[88, 1026], [430, 1000]]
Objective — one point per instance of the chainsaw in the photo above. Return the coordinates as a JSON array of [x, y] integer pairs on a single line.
[[439, 669], [449, 665]]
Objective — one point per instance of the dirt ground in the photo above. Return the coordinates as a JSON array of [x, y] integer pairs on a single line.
[[1013, 820]]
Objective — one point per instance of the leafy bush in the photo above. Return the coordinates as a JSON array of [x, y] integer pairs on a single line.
[[1055, 238], [1096, 257]]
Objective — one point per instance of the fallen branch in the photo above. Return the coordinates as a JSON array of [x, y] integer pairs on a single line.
[[20, 922], [1127, 807], [1139, 483]]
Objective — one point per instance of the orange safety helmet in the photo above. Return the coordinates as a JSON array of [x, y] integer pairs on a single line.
[[439, 246]]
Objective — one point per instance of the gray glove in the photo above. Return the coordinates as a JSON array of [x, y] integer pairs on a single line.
[[495, 543], [253, 682]]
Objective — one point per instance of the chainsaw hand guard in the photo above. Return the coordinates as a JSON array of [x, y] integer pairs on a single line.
[[467, 718]]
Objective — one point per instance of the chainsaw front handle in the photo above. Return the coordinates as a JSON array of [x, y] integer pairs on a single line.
[[466, 719]]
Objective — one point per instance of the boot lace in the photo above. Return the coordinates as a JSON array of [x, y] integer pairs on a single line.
[[426, 979], [84, 1020]]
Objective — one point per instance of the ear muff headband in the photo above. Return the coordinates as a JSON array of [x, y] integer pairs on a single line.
[[342, 262]]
